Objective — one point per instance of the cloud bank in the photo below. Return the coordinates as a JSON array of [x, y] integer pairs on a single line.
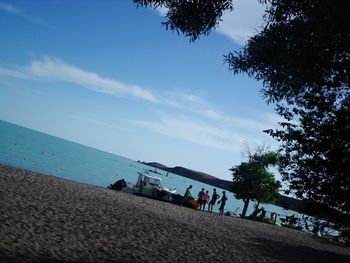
[[180, 115], [51, 69], [193, 130]]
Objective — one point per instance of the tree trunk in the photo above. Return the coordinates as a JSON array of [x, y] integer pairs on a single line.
[[245, 208], [256, 210], [257, 206]]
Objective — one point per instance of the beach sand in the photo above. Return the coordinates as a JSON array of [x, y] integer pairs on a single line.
[[46, 218]]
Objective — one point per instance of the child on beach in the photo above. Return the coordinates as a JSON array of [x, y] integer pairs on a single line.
[[200, 199], [205, 199], [214, 197]]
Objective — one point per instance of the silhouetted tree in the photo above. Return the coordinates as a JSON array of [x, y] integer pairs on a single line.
[[252, 180], [302, 57], [192, 18]]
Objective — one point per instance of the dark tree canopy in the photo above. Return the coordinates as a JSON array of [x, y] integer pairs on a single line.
[[192, 18], [302, 57], [303, 49]]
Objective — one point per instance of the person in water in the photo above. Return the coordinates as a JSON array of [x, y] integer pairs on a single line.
[[205, 199], [200, 199], [187, 195], [214, 197], [223, 202]]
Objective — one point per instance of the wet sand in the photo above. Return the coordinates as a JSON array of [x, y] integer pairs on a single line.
[[45, 218]]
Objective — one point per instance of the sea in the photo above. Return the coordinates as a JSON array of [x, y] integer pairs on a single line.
[[39, 152]]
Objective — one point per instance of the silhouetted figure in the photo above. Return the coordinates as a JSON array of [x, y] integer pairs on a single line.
[[263, 213], [223, 202], [316, 228], [214, 197], [200, 198], [306, 223], [292, 220], [254, 214]]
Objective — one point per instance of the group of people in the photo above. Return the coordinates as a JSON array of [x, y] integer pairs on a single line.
[[204, 199]]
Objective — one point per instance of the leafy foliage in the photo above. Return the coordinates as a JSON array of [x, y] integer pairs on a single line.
[[190, 17], [302, 56], [303, 49], [252, 180]]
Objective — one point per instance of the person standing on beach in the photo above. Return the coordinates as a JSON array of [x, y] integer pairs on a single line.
[[223, 202], [187, 195], [214, 197], [200, 199], [263, 213], [205, 199]]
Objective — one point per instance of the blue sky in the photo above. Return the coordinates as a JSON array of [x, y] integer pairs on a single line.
[[107, 75]]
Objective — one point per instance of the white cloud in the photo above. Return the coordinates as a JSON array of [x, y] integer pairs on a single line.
[[10, 8], [19, 12], [237, 122], [202, 125], [183, 101], [162, 11], [198, 132], [5, 72], [192, 131], [195, 104], [243, 21], [50, 69]]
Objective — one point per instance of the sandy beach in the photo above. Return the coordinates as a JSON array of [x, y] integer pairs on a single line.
[[45, 218]]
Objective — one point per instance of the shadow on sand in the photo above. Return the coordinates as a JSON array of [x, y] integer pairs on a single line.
[[283, 252]]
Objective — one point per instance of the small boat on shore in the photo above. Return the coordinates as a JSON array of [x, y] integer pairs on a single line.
[[146, 185]]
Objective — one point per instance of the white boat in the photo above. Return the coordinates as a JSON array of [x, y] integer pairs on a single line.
[[150, 185]]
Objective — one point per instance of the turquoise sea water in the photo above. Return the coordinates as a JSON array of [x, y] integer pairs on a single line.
[[25, 148]]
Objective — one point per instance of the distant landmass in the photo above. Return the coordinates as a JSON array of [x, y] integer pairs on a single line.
[[195, 175], [282, 201]]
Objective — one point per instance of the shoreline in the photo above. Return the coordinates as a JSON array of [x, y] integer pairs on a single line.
[[49, 218]]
